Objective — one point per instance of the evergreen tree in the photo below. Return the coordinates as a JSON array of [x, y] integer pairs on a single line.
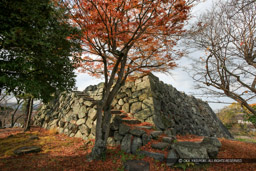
[[36, 42]]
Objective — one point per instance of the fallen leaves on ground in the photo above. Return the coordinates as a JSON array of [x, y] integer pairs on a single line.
[[60, 152]]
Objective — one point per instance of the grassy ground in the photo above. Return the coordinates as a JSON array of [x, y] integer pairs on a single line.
[[60, 152]]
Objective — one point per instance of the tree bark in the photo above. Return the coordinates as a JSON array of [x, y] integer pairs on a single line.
[[103, 123], [19, 102], [28, 114]]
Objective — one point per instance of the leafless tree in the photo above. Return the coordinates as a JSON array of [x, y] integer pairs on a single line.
[[9, 106], [227, 35]]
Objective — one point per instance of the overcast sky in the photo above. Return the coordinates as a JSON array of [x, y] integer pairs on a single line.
[[178, 78]]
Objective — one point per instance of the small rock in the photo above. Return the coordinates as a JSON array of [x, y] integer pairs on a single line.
[[121, 102], [117, 136], [156, 134], [123, 129], [27, 149], [136, 165], [111, 141], [135, 107], [89, 123], [93, 129], [80, 121], [92, 113], [126, 107], [84, 129], [88, 103], [172, 157], [79, 135], [81, 115]]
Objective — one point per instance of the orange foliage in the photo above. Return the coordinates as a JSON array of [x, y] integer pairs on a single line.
[[139, 34]]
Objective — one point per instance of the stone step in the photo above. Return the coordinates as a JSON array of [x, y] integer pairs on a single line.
[[156, 156], [156, 134], [116, 112], [144, 127], [137, 132], [90, 99], [123, 116], [160, 145], [131, 121], [169, 140]]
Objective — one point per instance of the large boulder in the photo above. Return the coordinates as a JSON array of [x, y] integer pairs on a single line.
[[190, 150], [136, 144], [212, 144], [126, 143]]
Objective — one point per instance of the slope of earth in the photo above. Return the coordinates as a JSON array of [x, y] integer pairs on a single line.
[[60, 152]]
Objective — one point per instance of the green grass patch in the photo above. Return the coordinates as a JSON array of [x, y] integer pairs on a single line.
[[246, 140], [11, 143]]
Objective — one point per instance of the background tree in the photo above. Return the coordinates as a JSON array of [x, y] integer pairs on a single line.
[[9, 108], [121, 37], [36, 42], [227, 34]]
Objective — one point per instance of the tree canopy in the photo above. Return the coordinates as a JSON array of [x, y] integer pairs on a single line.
[[36, 42]]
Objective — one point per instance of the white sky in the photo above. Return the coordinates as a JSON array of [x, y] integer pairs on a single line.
[[178, 78]]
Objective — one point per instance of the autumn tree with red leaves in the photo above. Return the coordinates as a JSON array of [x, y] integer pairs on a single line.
[[125, 36]]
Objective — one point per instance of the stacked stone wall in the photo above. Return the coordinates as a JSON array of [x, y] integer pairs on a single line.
[[147, 98]]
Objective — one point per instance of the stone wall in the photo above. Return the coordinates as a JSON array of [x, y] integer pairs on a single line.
[[147, 99]]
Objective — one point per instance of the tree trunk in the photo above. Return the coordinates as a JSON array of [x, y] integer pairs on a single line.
[[103, 125], [12, 120], [102, 131], [28, 114], [14, 113]]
